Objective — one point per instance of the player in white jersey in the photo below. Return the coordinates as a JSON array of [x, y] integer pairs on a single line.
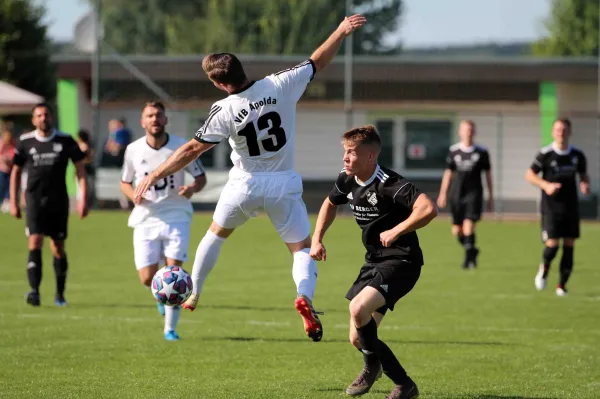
[[161, 218], [258, 119]]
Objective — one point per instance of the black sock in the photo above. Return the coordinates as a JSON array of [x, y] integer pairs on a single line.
[[547, 257], [391, 366], [60, 270], [461, 239], [367, 337], [469, 244], [566, 265], [34, 269]]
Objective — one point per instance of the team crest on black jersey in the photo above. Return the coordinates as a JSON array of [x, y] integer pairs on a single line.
[[57, 147], [372, 198]]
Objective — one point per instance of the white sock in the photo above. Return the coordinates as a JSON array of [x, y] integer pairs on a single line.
[[171, 317], [305, 272], [206, 258]]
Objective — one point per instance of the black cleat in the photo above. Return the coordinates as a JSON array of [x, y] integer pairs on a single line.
[[363, 383], [33, 298], [407, 390]]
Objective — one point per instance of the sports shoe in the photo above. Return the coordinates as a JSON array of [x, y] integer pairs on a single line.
[[561, 291], [60, 300], [191, 303], [363, 383], [406, 390], [540, 278], [33, 298], [312, 324], [171, 336], [161, 308]]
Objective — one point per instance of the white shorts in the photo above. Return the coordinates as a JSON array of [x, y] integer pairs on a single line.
[[279, 194], [151, 244]]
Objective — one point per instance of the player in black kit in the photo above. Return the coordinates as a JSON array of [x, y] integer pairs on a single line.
[[466, 160], [46, 153], [389, 209], [560, 164]]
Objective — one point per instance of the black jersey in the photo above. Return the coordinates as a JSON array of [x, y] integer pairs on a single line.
[[379, 204], [560, 167], [467, 163], [46, 159]]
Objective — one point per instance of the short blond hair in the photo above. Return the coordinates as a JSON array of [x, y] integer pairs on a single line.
[[366, 135]]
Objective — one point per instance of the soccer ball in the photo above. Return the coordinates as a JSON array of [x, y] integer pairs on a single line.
[[171, 285]]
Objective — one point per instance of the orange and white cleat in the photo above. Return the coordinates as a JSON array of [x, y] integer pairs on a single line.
[[312, 324], [191, 303]]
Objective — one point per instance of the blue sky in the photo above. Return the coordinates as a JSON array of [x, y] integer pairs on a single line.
[[425, 22]]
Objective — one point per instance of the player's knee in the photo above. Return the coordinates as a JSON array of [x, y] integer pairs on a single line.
[[146, 280], [358, 310], [58, 249], [457, 230], [36, 241]]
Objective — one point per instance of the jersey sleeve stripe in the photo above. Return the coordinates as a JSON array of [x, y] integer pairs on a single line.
[[304, 63], [405, 184], [213, 112]]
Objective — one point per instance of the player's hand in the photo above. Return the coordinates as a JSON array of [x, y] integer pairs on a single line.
[[441, 201], [82, 209], [140, 189], [552, 188], [490, 205], [584, 187], [350, 24], [318, 251], [388, 237], [15, 211], [186, 191]]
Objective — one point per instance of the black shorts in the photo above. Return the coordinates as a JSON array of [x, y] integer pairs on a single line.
[[50, 221], [469, 207], [392, 278], [560, 226]]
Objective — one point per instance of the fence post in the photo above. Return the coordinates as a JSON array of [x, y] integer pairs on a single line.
[[499, 200]]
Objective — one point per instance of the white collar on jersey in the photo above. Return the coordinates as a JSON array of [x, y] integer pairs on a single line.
[[559, 151], [43, 139], [373, 176], [464, 148]]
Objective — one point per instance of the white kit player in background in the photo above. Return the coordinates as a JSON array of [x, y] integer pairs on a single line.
[[162, 217], [258, 118]]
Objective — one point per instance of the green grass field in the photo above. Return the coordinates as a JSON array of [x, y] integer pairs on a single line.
[[477, 334]]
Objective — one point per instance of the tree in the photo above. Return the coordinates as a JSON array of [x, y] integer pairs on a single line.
[[24, 48], [572, 28], [242, 26]]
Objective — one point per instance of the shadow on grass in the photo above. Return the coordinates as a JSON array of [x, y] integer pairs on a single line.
[[343, 341]]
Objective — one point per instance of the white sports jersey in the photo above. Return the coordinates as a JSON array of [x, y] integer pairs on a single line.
[[162, 202], [259, 121]]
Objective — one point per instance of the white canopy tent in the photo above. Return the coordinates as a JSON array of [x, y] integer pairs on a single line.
[[14, 100]]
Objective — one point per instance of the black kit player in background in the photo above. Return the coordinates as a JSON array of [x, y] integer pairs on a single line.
[[466, 160], [560, 164], [389, 209], [46, 153]]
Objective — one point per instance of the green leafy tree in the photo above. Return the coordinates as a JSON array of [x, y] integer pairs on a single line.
[[572, 29], [24, 48], [242, 26]]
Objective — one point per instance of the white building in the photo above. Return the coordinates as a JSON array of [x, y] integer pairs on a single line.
[[416, 104]]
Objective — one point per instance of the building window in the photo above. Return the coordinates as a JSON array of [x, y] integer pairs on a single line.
[[385, 128], [427, 142]]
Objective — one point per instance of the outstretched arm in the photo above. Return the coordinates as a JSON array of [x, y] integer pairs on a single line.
[[324, 220], [327, 51], [177, 161]]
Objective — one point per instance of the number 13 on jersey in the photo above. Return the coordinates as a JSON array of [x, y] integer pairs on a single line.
[[276, 135]]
